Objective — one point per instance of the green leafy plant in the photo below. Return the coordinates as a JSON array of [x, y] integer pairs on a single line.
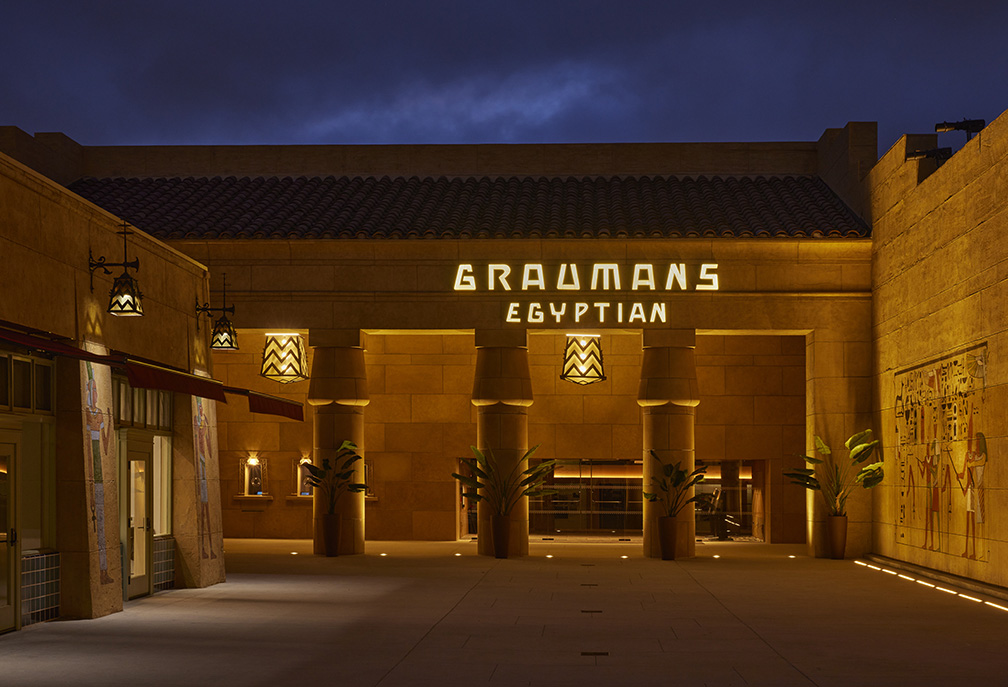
[[672, 485], [836, 480], [335, 477], [500, 488]]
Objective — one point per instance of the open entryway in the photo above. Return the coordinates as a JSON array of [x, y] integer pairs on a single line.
[[136, 514]]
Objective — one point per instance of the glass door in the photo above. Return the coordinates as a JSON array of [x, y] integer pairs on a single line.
[[9, 569], [594, 497], [139, 535]]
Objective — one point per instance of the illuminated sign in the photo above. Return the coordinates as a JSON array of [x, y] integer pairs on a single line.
[[608, 281], [600, 276]]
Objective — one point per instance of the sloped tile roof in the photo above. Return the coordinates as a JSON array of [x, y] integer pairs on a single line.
[[516, 207]]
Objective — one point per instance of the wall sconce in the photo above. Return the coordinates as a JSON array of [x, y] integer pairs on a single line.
[[970, 126], [124, 297], [254, 481], [284, 358], [939, 155], [583, 359], [224, 336], [301, 475]]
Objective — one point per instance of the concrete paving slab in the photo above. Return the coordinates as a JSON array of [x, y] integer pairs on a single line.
[[435, 613]]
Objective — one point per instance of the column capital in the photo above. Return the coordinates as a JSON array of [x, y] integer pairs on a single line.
[[338, 376], [502, 376], [501, 338], [675, 338], [352, 338], [668, 375]]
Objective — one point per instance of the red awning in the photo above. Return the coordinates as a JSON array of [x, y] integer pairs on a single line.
[[50, 346], [148, 375], [270, 405]]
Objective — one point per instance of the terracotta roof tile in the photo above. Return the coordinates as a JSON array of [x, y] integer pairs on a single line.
[[516, 207]]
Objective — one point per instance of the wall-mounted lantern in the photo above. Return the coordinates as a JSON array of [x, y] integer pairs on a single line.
[[284, 359], [224, 337], [582, 362], [124, 297]]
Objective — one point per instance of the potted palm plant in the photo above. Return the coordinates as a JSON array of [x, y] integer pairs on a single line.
[[502, 488], [671, 491], [332, 479], [835, 481]]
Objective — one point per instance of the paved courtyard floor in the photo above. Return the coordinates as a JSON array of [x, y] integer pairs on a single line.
[[408, 613]]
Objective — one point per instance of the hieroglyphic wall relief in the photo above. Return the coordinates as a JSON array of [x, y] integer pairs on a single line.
[[941, 455]]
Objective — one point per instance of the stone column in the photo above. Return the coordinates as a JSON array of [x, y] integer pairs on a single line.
[[668, 393], [338, 390], [502, 390], [838, 400]]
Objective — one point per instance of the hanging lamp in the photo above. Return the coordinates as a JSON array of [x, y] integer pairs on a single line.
[[582, 362]]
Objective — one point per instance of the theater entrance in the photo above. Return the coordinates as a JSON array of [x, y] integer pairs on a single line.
[[594, 498]]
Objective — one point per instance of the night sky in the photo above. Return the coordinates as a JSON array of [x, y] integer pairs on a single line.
[[474, 71]]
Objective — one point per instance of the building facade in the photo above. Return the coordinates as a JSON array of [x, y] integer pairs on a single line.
[[745, 298]]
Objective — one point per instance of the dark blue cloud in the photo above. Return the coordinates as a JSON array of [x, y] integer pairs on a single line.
[[461, 71]]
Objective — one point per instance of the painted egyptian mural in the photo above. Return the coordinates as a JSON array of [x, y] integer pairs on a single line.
[[100, 463], [204, 431], [942, 455]]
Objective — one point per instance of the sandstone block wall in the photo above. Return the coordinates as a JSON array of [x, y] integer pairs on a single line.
[[420, 420], [940, 285]]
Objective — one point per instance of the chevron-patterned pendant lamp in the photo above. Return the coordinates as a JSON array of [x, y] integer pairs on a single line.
[[583, 359], [224, 337], [284, 358], [125, 299]]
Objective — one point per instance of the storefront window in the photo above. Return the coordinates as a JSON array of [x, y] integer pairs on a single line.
[[141, 408], [22, 386], [162, 474], [38, 493], [5, 379], [43, 386]]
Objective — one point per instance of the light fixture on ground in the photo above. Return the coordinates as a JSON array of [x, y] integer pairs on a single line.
[[583, 359], [284, 359], [224, 337], [124, 297]]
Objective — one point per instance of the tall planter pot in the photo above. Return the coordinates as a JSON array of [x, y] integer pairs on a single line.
[[332, 525], [837, 528], [667, 537], [500, 526]]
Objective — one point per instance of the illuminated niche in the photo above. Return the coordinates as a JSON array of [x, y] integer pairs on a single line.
[[253, 470], [302, 487]]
